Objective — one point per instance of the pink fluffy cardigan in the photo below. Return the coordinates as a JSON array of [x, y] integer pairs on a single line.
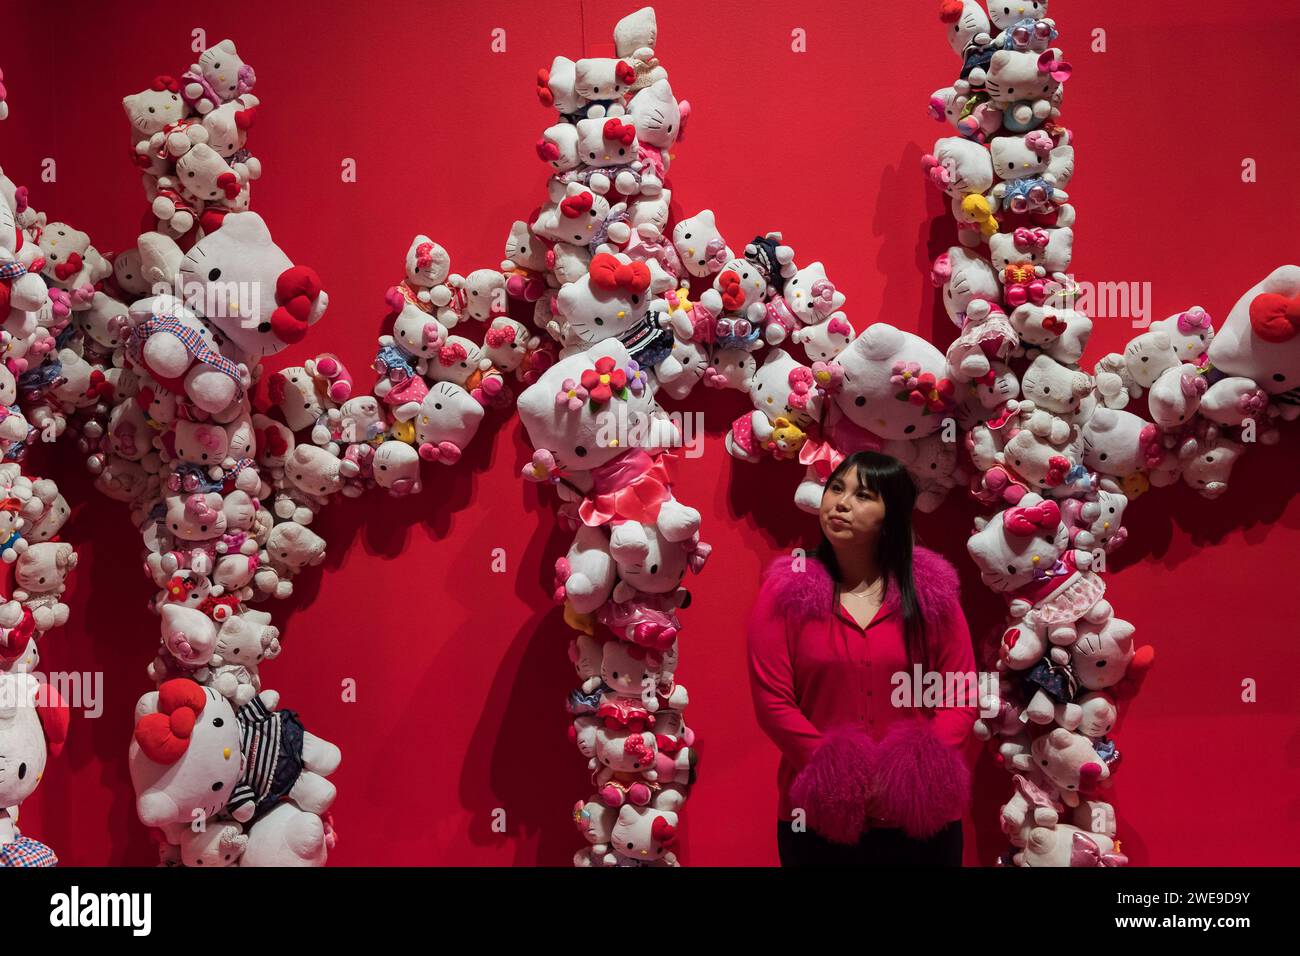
[[906, 769]]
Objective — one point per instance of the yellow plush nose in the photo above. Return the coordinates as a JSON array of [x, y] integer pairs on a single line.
[[226, 753]]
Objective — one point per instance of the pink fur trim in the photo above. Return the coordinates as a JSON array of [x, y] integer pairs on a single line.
[[920, 783], [806, 595], [833, 787]]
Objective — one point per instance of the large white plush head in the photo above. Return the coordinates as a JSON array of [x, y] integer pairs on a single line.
[[1004, 13], [1014, 75], [896, 384], [228, 124], [574, 218], [225, 72], [607, 141], [1119, 443], [184, 755], [33, 726], [1260, 339], [250, 289], [1190, 333], [644, 835], [153, 109], [782, 388], [583, 434], [811, 296], [602, 78], [608, 300], [448, 419], [1021, 157], [1013, 546], [427, 263], [1052, 249]]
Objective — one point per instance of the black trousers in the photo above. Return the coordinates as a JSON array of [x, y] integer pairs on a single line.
[[878, 847]]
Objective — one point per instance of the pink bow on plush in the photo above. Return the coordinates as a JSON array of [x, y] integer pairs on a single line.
[[1031, 519], [1193, 385], [197, 507], [1039, 142], [938, 173], [715, 253], [1026, 238], [451, 354], [1149, 445], [1084, 851], [823, 294], [209, 438], [1194, 321], [941, 271], [1058, 70]]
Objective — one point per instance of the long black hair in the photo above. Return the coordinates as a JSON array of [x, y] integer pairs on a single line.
[[886, 476]]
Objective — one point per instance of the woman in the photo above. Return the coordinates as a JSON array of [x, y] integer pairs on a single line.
[[876, 778]]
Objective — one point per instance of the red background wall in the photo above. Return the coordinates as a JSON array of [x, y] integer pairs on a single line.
[[461, 672]]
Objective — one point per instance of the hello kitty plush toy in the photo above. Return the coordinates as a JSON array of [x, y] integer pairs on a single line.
[[258, 298], [1119, 443], [987, 336], [429, 285], [1259, 339], [183, 355], [959, 167], [699, 244], [1023, 552], [602, 83], [524, 266], [645, 837], [964, 277], [1024, 83], [1061, 333], [969, 34], [895, 384], [1025, 166], [34, 723], [636, 37], [785, 402], [447, 421], [218, 77]]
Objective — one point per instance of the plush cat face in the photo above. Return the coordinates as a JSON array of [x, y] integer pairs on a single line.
[[624, 674], [229, 123], [1021, 157], [1148, 356], [506, 343], [657, 115], [658, 569], [964, 277], [1061, 333], [558, 147], [68, 255], [965, 20], [1260, 339], [1190, 332], [1176, 396], [523, 249], [206, 176], [1014, 75], [1118, 443], [396, 467], [485, 294], [773, 389], [824, 341], [295, 546], [427, 263], [693, 359], [1209, 470], [417, 333], [606, 141], [456, 360], [1005, 14], [152, 110], [651, 214], [195, 517], [586, 437], [884, 368], [251, 290], [811, 296], [448, 413], [608, 300], [959, 167], [199, 443], [643, 834], [1062, 756], [1050, 385], [1050, 248], [573, 219], [700, 245], [225, 71], [180, 779], [1040, 463], [1018, 542], [602, 78]]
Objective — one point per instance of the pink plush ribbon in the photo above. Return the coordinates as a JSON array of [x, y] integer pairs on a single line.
[[632, 487]]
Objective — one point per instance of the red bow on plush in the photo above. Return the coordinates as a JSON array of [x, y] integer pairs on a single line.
[[69, 267], [169, 83], [625, 73], [165, 736], [272, 441], [99, 387], [244, 119], [544, 94], [1031, 519], [576, 205], [663, 832], [620, 132], [296, 292], [229, 184], [1275, 318], [607, 272], [733, 296]]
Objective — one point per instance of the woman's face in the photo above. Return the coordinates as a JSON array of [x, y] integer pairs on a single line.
[[851, 514]]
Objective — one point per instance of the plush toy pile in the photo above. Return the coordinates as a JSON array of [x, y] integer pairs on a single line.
[[1058, 451], [37, 323], [159, 376]]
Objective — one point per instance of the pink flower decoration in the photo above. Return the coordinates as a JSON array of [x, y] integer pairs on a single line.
[[904, 376], [571, 395]]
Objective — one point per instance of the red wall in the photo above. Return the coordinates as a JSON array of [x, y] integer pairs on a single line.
[[461, 672]]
